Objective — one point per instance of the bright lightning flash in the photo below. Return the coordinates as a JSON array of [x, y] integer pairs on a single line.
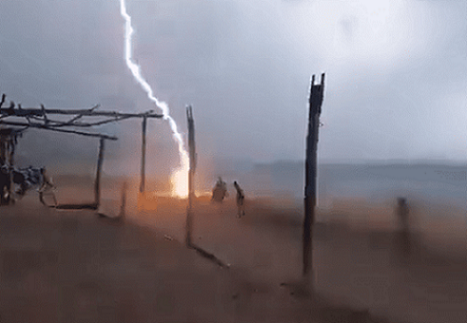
[[179, 178]]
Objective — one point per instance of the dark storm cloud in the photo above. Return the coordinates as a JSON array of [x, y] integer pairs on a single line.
[[395, 70]]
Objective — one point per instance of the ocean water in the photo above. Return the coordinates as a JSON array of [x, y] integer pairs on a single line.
[[445, 184]]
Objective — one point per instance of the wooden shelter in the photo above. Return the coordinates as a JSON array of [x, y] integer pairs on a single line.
[[15, 119]]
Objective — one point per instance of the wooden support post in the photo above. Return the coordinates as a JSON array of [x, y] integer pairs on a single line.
[[191, 173], [100, 159], [316, 99], [143, 156]]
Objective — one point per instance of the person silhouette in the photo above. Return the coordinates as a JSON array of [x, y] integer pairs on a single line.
[[240, 200], [219, 192], [402, 212]]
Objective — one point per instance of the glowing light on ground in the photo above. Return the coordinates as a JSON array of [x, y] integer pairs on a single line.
[[149, 201], [179, 178]]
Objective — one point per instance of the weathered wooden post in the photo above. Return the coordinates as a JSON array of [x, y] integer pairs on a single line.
[[100, 159], [315, 101], [191, 173], [8, 141], [143, 156], [38, 118]]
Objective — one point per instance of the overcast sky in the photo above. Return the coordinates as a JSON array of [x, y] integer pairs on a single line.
[[396, 72]]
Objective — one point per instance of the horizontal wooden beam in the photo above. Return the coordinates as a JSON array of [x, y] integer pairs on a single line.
[[89, 124], [41, 126], [23, 112]]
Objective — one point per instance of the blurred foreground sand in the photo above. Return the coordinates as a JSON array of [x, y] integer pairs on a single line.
[[72, 266]]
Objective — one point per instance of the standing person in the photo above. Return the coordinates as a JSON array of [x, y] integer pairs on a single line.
[[5, 185], [240, 200], [402, 212], [219, 192]]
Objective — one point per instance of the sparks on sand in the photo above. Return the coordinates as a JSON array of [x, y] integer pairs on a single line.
[[179, 178]]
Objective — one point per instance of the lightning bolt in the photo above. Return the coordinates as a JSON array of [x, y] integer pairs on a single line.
[[179, 178]]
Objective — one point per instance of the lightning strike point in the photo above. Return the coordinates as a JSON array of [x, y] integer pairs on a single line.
[[179, 178]]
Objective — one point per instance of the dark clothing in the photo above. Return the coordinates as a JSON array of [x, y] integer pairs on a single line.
[[240, 197], [404, 236], [27, 178], [5, 185], [240, 200]]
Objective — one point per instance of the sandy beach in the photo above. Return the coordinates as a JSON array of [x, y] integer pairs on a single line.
[[74, 266]]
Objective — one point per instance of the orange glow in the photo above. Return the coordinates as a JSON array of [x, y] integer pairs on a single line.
[[179, 178], [147, 201]]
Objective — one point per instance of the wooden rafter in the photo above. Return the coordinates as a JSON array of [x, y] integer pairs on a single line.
[[39, 118], [11, 119], [81, 112], [40, 126]]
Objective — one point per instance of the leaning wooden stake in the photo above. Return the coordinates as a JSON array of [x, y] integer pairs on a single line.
[[100, 159], [191, 193], [191, 173], [143, 156], [316, 99]]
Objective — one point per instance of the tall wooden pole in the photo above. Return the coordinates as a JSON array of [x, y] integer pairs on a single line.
[[191, 173], [143, 156], [316, 99], [100, 159]]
